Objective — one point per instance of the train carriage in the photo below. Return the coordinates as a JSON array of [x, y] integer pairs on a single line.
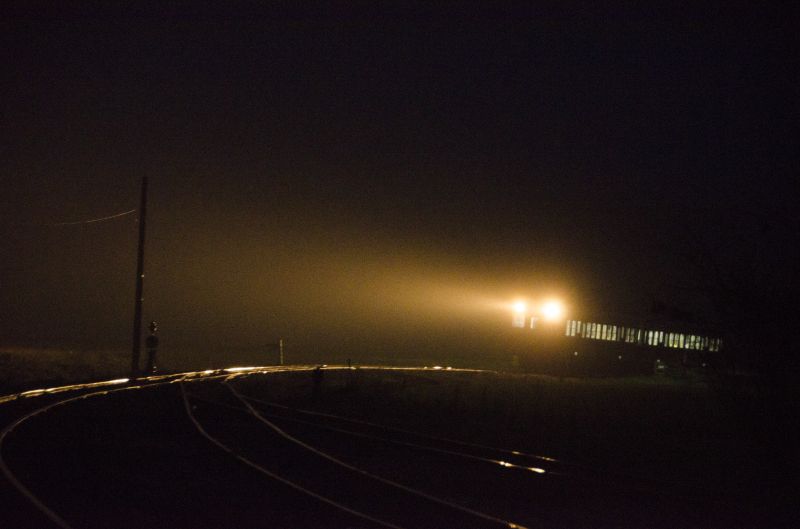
[[586, 348]]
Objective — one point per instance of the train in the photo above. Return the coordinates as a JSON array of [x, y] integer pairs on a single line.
[[585, 348]]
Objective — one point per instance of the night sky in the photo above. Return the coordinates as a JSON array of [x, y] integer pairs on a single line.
[[383, 180]]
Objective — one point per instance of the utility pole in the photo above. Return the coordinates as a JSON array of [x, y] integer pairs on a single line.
[[137, 311]]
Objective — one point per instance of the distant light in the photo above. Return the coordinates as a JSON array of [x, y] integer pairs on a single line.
[[208, 371], [234, 369], [552, 310], [437, 367], [537, 470], [519, 307]]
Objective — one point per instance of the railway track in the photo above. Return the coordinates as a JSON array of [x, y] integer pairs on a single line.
[[196, 450]]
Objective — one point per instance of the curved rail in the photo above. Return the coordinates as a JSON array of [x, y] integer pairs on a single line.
[[271, 474], [44, 509], [400, 486], [226, 377]]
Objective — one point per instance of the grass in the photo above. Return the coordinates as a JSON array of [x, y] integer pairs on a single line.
[[23, 369]]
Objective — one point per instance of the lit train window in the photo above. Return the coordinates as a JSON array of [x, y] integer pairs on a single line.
[[614, 333], [661, 337], [594, 331], [681, 340], [603, 332]]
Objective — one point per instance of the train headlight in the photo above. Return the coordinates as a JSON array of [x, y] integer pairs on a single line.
[[519, 307], [552, 310]]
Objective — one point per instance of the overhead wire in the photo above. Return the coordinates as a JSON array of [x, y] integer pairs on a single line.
[[94, 220]]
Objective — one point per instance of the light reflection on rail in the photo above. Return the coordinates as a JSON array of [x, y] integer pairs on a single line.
[[228, 373]]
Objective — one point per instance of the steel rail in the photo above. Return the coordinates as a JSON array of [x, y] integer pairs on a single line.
[[368, 474], [44, 509], [400, 443], [30, 496], [273, 475], [409, 432], [678, 489]]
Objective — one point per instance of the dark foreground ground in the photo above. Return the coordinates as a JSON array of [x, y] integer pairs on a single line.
[[635, 453]]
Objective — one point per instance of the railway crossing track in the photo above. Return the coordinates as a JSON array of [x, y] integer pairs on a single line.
[[198, 450]]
